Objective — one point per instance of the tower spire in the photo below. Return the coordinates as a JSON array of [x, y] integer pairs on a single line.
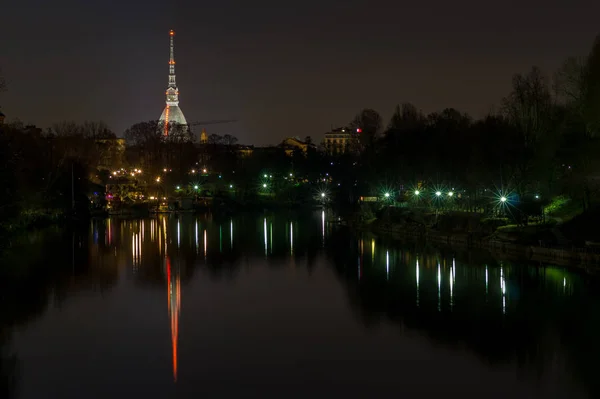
[[172, 91], [172, 113], [172, 60]]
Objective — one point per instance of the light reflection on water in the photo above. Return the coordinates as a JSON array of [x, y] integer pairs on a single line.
[[511, 317]]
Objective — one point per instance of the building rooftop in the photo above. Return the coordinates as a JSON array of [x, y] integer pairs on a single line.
[[173, 114]]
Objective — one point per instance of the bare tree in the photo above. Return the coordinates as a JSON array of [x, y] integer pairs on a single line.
[[529, 105], [97, 130], [215, 139], [230, 140]]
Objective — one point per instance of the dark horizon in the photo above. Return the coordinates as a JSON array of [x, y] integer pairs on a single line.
[[281, 70]]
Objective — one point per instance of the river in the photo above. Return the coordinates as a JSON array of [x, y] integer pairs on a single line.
[[286, 305]]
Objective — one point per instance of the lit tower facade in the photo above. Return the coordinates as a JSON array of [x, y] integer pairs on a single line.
[[172, 113]]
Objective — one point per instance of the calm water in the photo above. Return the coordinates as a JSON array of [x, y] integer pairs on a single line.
[[286, 305]]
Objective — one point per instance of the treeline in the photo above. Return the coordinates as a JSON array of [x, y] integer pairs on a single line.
[[45, 172], [545, 139]]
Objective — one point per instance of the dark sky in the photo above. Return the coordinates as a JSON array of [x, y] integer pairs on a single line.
[[283, 68]]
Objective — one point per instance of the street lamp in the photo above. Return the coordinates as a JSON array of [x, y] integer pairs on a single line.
[[503, 199], [417, 192], [322, 195], [438, 193], [195, 187], [387, 195], [450, 194]]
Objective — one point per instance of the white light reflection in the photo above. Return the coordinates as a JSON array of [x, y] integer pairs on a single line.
[[323, 225], [265, 228], [196, 227], [417, 281], [452, 287], [205, 247], [291, 238], [454, 268], [439, 276], [136, 252], [387, 264], [503, 288], [486, 280]]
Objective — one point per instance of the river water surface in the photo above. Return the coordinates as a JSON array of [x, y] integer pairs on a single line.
[[286, 305]]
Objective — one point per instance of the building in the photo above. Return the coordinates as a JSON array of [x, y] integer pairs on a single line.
[[291, 144], [341, 140], [172, 113]]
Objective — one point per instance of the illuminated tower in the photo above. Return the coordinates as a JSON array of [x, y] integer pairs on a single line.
[[172, 113], [203, 137]]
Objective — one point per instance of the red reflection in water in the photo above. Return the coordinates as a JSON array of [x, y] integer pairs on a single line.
[[174, 303]]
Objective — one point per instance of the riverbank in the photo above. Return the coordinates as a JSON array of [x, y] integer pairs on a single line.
[[514, 245]]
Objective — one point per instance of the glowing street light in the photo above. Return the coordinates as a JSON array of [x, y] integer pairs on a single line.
[[322, 195], [503, 199], [438, 193], [231, 186], [158, 179], [450, 194], [195, 187], [387, 195], [264, 185], [178, 188], [265, 176], [417, 192]]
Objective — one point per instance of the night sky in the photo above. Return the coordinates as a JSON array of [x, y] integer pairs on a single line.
[[284, 68]]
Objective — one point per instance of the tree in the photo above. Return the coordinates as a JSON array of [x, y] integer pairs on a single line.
[[215, 139], [230, 140], [405, 118], [530, 109], [591, 90], [578, 86], [366, 126], [97, 130], [146, 144]]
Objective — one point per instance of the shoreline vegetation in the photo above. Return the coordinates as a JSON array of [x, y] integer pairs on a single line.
[[566, 243]]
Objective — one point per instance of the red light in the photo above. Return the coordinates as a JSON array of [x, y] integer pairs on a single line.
[[358, 130]]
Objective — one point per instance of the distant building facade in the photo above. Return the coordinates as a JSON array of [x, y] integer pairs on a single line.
[[341, 140], [291, 144]]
